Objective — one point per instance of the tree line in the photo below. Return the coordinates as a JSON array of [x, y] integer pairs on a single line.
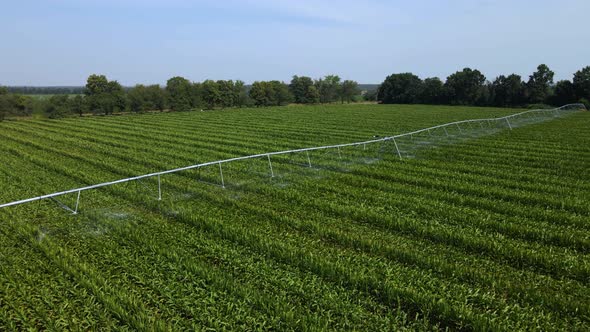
[[103, 96], [304, 90], [470, 87], [14, 104], [46, 90], [183, 95], [465, 87]]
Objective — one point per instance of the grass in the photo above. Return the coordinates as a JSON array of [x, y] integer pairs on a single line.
[[486, 234]]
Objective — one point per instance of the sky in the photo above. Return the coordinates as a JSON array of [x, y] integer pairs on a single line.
[[62, 42]]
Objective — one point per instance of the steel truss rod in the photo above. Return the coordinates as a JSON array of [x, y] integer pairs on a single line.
[[272, 173], [397, 149], [62, 205], [509, 125], [159, 188], [221, 173]]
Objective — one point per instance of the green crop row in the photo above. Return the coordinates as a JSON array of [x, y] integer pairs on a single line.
[[487, 233]]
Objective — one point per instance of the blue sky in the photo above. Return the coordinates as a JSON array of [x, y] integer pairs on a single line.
[[61, 42]]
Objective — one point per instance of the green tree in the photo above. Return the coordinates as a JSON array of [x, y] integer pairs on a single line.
[[240, 94], [104, 96], [18, 105], [303, 90], [432, 91], [328, 88], [57, 107], [313, 95], [507, 91], [485, 97], [281, 94], [402, 88], [96, 85], [261, 93], [564, 93], [137, 99], [211, 94], [227, 96], [273, 93], [4, 104], [539, 84], [143, 98], [102, 103], [157, 97], [77, 105], [581, 83], [116, 97], [197, 95], [179, 91], [347, 90], [465, 87]]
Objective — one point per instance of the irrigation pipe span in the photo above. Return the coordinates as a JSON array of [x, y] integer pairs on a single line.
[[569, 107]]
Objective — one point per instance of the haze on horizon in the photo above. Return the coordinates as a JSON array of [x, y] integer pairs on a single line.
[[61, 42]]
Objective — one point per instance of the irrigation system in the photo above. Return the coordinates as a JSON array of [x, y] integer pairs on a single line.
[[464, 126]]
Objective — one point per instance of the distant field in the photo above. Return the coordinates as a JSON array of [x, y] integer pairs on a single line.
[[489, 233], [43, 97]]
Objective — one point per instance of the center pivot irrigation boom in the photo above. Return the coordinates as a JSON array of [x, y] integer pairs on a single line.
[[511, 121]]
